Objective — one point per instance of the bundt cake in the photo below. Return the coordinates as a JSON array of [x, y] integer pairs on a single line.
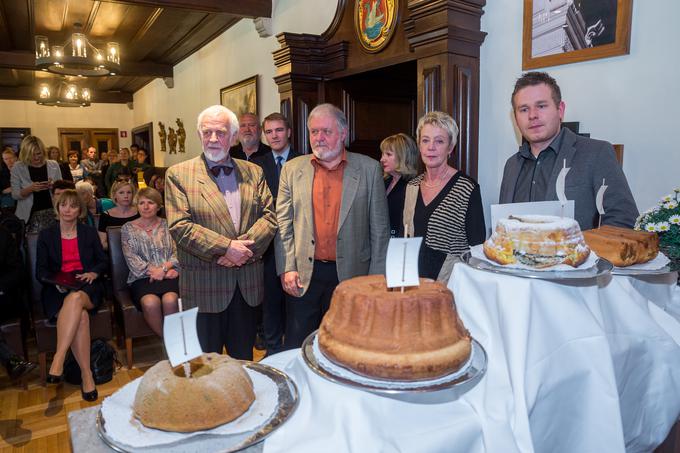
[[388, 334], [218, 391], [538, 241]]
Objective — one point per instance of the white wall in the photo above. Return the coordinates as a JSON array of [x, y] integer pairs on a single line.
[[44, 120], [632, 99], [235, 55]]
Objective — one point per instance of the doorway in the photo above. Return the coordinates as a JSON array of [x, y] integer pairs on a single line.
[[377, 104], [142, 137], [103, 139]]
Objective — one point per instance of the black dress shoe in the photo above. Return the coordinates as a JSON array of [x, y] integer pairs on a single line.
[[18, 367], [89, 396], [54, 379]]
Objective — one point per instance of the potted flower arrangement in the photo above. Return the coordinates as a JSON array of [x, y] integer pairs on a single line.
[[664, 219]]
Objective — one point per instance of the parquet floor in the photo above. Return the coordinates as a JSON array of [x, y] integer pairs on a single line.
[[35, 419]]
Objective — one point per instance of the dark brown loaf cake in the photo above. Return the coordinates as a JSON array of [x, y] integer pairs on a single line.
[[384, 334], [622, 246]]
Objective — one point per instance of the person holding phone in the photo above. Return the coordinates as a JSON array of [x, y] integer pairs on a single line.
[[71, 248], [31, 180]]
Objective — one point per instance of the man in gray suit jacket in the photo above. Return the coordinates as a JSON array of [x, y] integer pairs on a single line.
[[531, 173], [333, 222]]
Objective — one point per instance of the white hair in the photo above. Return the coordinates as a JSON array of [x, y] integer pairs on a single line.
[[84, 186], [215, 111]]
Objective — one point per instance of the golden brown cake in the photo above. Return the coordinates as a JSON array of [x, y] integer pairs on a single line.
[[622, 246], [384, 334], [537, 241], [218, 392]]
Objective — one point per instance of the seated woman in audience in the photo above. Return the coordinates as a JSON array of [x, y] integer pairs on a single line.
[[122, 194], [54, 153], [152, 258], [95, 206], [31, 180], [399, 159], [442, 205], [74, 166], [72, 248]]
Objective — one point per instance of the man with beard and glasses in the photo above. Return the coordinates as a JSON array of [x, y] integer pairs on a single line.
[[249, 132], [333, 222], [220, 214]]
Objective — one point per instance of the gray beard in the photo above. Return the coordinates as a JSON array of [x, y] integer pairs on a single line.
[[215, 156]]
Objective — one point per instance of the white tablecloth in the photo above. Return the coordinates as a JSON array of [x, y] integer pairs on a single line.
[[584, 366]]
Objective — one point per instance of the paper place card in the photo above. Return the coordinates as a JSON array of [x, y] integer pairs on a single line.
[[180, 336], [503, 211], [402, 262]]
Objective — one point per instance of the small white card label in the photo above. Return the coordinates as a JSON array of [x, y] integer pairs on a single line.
[[180, 336], [402, 262]]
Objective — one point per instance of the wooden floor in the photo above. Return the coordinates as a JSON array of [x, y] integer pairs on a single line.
[[34, 419]]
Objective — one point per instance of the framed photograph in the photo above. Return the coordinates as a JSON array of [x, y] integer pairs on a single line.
[[375, 22], [241, 97], [558, 32]]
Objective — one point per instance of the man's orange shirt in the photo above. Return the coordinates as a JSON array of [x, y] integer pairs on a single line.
[[326, 199]]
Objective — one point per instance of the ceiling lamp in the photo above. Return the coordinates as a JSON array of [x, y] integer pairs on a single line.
[[64, 94], [77, 56]]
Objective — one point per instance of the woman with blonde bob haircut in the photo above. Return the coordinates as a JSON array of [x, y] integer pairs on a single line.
[[124, 211], [151, 256], [399, 160], [442, 205], [31, 180], [71, 251]]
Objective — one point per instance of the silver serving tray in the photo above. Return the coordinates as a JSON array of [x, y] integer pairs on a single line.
[[424, 393], [288, 402], [601, 267], [641, 272]]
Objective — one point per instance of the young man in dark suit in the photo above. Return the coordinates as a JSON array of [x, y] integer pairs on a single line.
[[277, 132]]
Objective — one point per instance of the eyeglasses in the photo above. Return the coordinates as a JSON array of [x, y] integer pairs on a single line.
[[208, 133]]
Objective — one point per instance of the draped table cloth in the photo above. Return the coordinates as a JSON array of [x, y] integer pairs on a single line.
[[589, 365]]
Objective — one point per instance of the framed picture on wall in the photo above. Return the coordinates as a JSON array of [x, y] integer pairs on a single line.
[[241, 97], [558, 32]]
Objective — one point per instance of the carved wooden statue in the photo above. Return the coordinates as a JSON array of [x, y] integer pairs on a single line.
[[181, 135], [163, 135], [172, 141]]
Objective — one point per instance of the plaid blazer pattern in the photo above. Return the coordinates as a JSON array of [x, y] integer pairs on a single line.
[[200, 224]]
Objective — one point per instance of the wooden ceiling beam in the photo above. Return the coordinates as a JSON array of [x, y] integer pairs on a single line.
[[26, 60], [250, 8], [28, 93]]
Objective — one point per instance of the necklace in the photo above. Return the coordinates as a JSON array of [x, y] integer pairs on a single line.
[[148, 228], [438, 180]]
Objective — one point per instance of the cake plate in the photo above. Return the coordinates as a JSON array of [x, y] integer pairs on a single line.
[[287, 403], [601, 267], [658, 266], [432, 391]]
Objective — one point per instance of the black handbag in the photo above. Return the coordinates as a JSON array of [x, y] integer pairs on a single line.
[[103, 362]]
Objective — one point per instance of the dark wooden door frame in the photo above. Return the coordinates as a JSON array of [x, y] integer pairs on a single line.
[[148, 127], [443, 36]]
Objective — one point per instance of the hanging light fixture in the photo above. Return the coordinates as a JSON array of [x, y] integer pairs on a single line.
[[77, 56], [63, 94]]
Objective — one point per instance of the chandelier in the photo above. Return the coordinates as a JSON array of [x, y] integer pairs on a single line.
[[63, 94], [77, 56]]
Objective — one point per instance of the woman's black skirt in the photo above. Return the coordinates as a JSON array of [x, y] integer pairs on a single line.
[[142, 287]]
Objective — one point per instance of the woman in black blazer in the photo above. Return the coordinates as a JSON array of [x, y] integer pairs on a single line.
[[400, 160], [71, 248]]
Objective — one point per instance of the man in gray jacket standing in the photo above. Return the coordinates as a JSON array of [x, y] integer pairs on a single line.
[[531, 173], [333, 222]]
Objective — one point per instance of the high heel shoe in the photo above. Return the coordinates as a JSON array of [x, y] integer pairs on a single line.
[[54, 378], [89, 396]]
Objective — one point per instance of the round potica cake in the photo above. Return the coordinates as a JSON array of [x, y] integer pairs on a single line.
[[409, 336], [218, 392], [537, 241]]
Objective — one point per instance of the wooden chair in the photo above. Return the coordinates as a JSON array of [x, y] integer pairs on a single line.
[[133, 323], [45, 331]]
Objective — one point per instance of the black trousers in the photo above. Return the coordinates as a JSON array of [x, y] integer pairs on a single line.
[[233, 328], [304, 314], [273, 306]]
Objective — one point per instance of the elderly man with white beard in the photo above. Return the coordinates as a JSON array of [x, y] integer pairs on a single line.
[[333, 222], [220, 214]]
